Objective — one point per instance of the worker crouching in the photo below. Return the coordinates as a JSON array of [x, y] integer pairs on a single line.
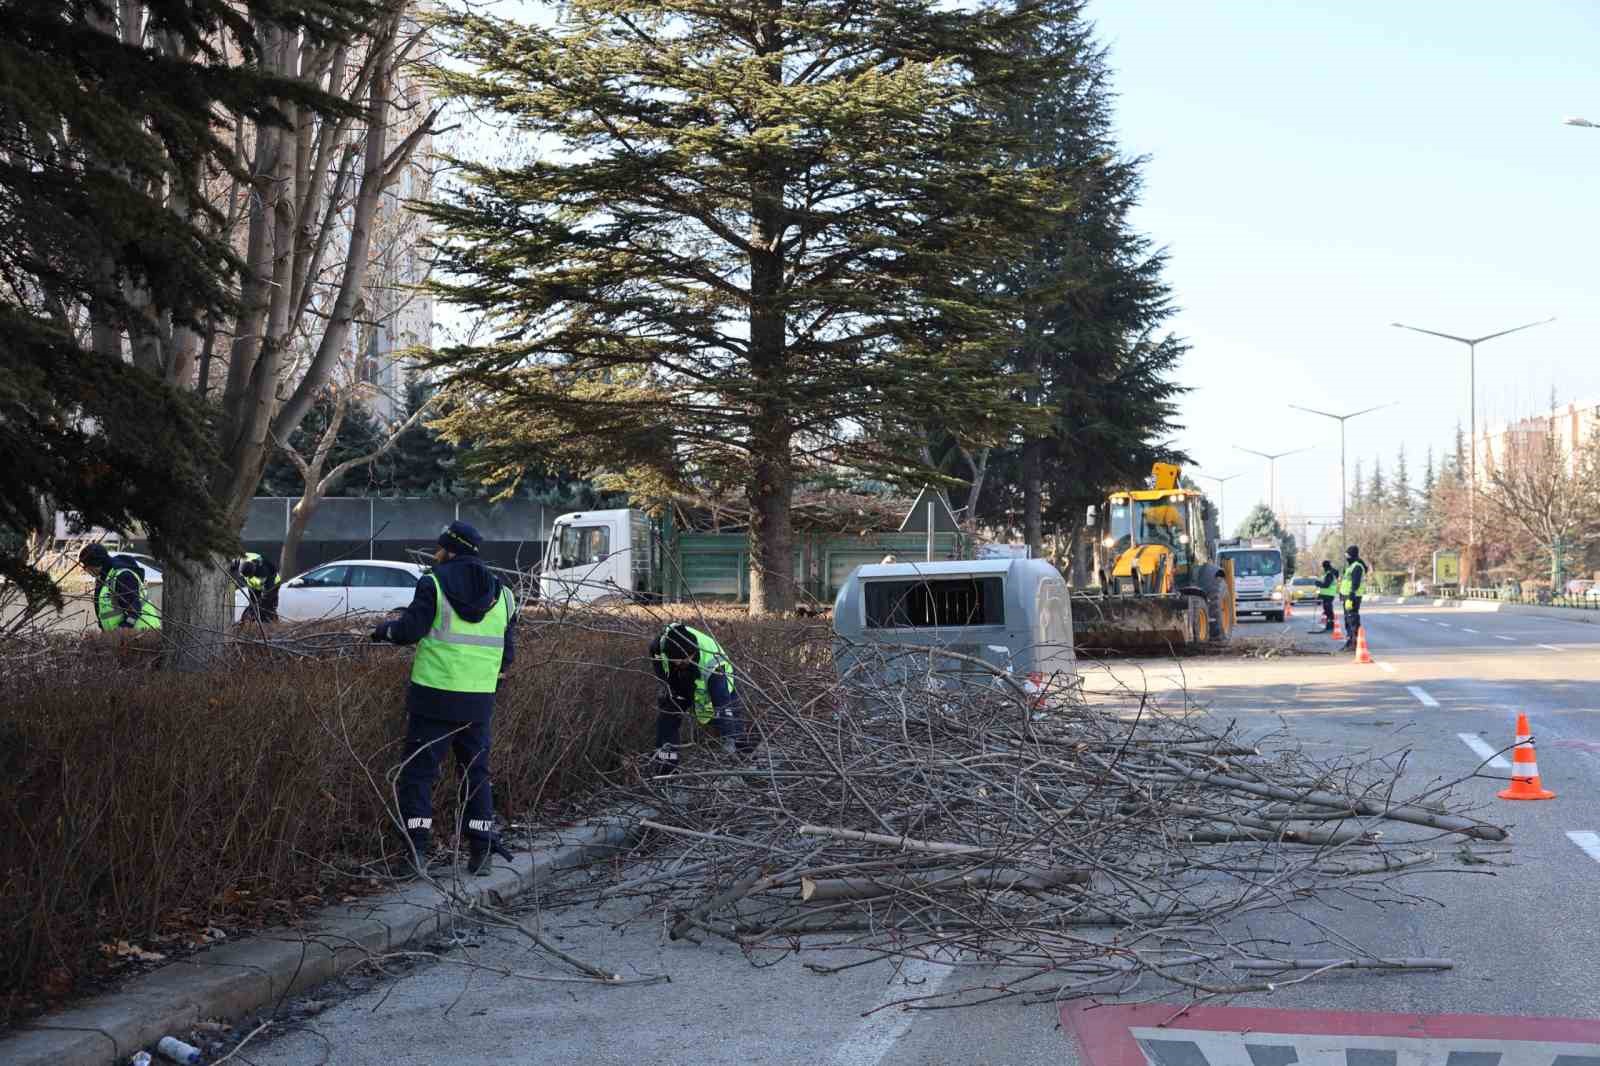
[[119, 594], [696, 678], [462, 621]]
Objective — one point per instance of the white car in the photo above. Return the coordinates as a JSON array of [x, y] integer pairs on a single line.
[[350, 586], [152, 569]]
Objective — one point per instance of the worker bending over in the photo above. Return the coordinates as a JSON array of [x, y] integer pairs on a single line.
[[119, 599], [461, 620], [696, 678], [259, 579]]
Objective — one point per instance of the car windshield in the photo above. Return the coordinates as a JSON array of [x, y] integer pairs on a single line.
[[1265, 563], [1304, 581]]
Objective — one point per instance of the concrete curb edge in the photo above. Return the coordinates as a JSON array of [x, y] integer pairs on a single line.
[[232, 980]]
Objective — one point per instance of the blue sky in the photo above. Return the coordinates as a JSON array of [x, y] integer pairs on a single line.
[[1320, 169]]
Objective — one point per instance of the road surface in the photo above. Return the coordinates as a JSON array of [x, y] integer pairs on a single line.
[[1447, 685]]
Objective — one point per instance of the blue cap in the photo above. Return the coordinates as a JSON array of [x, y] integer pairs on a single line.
[[461, 538]]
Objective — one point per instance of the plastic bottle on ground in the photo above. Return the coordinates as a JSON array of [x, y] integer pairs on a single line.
[[176, 1050]]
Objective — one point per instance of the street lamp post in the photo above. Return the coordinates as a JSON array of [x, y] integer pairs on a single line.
[[1344, 533], [1222, 500], [1472, 426], [1576, 121], [1272, 472]]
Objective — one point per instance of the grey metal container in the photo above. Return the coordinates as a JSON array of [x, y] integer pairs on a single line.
[[898, 623]]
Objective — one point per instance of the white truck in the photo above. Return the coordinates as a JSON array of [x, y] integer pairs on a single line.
[[1257, 576], [601, 557]]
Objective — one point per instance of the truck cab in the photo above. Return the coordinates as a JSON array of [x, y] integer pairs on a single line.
[[1258, 578], [609, 556]]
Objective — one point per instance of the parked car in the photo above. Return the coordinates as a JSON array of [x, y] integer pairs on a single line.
[[1302, 589], [152, 568], [350, 586]]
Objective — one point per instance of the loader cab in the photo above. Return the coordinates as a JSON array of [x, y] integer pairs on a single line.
[[1145, 526]]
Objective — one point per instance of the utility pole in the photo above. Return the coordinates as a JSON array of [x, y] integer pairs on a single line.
[[1470, 564], [1272, 472], [1344, 493], [1222, 500]]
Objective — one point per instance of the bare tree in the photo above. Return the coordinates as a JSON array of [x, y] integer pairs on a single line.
[[302, 220], [1547, 493]]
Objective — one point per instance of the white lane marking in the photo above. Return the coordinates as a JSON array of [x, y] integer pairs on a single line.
[[1443, 625], [1422, 697], [1589, 842], [1497, 636], [1484, 751], [1552, 647], [875, 1037], [1387, 668], [1464, 629]]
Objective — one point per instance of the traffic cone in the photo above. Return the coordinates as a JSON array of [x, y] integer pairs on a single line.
[[1338, 631], [1525, 768], [1288, 609], [1362, 654]]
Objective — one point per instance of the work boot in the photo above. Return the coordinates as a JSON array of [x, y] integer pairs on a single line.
[[480, 856], [418, 846], [1348, 645]]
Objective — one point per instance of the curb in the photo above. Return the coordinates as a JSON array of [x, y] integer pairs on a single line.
[[232, 980]]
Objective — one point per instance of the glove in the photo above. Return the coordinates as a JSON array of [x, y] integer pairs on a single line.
[[380, 634]]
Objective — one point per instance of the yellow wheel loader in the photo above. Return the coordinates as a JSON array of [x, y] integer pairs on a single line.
[[1161, 583]]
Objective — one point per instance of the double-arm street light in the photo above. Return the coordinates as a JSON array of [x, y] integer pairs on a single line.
[[1341, 419], [1222, 499], [1472, 343], [1575, 121], [1272, 471]]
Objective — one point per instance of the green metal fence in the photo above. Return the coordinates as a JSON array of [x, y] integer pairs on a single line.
[[716, 566]]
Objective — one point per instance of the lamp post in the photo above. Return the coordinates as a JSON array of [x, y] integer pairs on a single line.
[[1222, 500], [1272, 472], [1472, 343], [1576, 121], [1344, 533]]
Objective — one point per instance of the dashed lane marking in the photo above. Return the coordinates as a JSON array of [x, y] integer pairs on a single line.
[[1387, 668], [1482, 750], [1497, 636], [1552, 647], [1422, 697], [1589, 842], [1444, 625], [875, 1037], [1464, 629]]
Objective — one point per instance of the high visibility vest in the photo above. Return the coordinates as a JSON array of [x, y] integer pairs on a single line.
[[1327, 591], [1347, 582], [110, 614], [712, 660], [461, 656], [256, 583]]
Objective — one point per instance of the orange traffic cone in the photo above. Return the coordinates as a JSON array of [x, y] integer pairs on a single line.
[[1525, 768], [1338, 631], [1362, 654], [1288, 609]]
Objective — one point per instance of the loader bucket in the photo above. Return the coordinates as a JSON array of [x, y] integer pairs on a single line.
[[1136, 623]]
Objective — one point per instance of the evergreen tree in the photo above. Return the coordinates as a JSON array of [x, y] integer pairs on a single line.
[[1429, 479], [1377, 494], [760, 243], [422, 462], [1400, 486], [1458, 466], [1262, 522], [1358, 497]]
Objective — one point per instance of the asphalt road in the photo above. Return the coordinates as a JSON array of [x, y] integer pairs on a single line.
[[1521, 929]]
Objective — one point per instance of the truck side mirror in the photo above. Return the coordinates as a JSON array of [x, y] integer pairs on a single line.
[[1089, 517]]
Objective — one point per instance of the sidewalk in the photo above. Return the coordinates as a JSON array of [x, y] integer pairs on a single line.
[[232, 980]]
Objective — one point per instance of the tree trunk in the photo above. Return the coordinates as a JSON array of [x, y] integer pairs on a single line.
[[1033, 497], [196, 613], [772, 589], [299, 519]]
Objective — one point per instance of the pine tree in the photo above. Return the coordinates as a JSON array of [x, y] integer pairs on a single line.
[[1429, 478], [1377, 494], [1358, 497], [1400, 486], [359, 434], [1262, 522], [422, 462], [759, 245]]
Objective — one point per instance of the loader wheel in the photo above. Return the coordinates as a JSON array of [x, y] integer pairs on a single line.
[[1214, 615]]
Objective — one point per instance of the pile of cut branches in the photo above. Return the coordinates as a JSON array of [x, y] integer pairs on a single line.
[[1041, 851]]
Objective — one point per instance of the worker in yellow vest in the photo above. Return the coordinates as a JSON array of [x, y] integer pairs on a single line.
[[119, 596], [696, 677], [1352, 586], [461, 619]]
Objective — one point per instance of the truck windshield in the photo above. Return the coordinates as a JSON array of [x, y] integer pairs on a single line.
[[1150, 521], [579, 545], [1266, 563]]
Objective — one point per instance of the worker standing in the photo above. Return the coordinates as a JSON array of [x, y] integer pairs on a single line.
[[462, 620], [696, 678], [259, 577], [119, 599], [1351, 586], [1327, 592]]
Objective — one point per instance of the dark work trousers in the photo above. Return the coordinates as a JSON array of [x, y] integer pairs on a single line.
[[261, 606], [427, 741], [1327, 611], [728, 723], [1352, 619]]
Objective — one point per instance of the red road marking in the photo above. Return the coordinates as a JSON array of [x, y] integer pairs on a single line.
[[1590, 746], [1104, 1037]]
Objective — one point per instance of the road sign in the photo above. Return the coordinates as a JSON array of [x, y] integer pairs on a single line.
[[1446, 567], [1155, 1034], [930, 514]]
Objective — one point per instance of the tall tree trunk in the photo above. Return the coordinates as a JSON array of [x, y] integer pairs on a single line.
[[299, 519], [1033, 496], [772, 588], [196, 612]]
